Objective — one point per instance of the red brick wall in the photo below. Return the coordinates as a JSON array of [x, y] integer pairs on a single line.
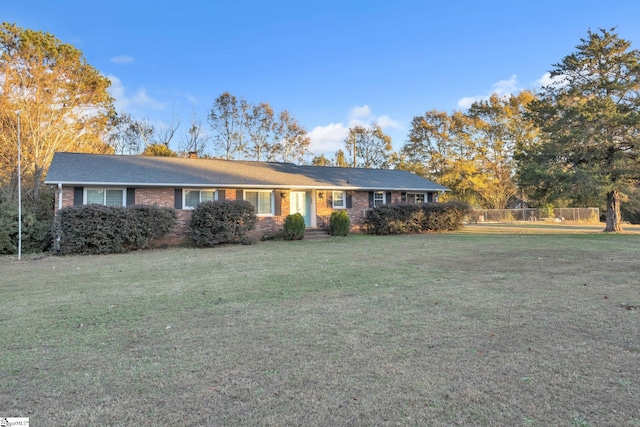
[[164, 197]]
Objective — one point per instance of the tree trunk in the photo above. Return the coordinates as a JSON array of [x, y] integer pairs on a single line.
[[614, 218]]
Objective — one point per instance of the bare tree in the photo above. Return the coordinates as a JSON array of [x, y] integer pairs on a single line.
[[196, 138]]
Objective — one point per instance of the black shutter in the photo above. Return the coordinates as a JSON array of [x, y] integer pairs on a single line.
[[403, 196], [329, 199], [387, 199], [131, 196], [238, 194], [177, 198], [221, 194], [349, 203], [78, 193], [278, 203], [429, 197], [370, 199]]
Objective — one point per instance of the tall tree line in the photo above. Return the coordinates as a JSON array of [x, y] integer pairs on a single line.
[[241, 130]]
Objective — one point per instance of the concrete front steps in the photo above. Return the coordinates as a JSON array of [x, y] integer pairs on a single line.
[[315, 233]]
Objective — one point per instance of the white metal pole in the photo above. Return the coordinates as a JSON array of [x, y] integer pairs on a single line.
[[19, 192]]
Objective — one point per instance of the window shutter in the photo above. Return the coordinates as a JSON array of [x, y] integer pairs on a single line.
[[177, 198], [238, 194], [403, 196], [131, 196], [329, 199], [78, 193], [387, 199], [370, 199], [278, 203], [429, 197], [349, 201], [221, 194]]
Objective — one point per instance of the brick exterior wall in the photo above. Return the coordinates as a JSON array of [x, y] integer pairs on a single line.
[[164, 197]]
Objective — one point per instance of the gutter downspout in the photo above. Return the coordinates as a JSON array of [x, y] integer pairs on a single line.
[[59, 196]]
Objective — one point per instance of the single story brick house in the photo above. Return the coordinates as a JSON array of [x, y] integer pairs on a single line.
[[275, 189]]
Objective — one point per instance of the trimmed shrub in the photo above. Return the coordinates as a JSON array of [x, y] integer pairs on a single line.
[[416, 218], [96, 229], [339, 223], [293, 227], [222, 221], [145, 223]]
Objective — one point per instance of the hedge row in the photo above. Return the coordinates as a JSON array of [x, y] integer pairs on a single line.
[[222, 221], [415, 218], [96, 229], [36, 233]]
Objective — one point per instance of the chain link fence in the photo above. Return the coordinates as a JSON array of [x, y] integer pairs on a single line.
[[531, 214]]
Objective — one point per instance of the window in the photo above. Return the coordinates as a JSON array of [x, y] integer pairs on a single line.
[[262, 200], [193, 198], [416, 197], [339, 200], [104, 196], [379, 198]]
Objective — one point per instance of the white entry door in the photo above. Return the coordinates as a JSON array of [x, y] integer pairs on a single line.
[[299, 204]]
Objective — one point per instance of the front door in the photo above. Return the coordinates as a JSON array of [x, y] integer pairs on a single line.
[[299, 205]]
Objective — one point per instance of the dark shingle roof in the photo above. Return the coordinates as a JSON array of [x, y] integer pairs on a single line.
[[97, 169]]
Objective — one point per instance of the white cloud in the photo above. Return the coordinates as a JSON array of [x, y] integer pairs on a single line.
[[328, 139], [506, 87], [502, 88], [357, 113], [140, 100], [121, 59], [192, 99], [547, 80], [387, 122]]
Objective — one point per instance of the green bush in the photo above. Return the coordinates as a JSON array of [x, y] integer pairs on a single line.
[[145, 223], [96, 229], [36, 233], [222, 221], [293, 227], [416, 218], [339, 223]]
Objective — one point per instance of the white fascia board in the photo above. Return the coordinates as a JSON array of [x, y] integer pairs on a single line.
[[240, 186]]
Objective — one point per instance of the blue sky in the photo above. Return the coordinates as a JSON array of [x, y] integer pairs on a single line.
[[332, 64]]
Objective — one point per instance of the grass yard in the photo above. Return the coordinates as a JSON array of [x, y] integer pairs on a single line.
[[473, 328]]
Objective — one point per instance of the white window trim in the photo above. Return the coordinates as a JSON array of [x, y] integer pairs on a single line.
[[384, 198], [184, 196], [426, 197], [273, 210], [344, 200], [104, 202]]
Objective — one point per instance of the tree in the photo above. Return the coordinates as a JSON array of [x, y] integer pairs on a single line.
[[227, 120], [292, 140], [369, 146], [196, 138], [159, 150], [499, 126], [261, 126], [340, 159], [129, 136], [63, 102], [165, 132], [590, 121], [443, 145], [321, 160]]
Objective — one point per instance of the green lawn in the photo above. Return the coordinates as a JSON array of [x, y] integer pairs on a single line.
[[468, 328]]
